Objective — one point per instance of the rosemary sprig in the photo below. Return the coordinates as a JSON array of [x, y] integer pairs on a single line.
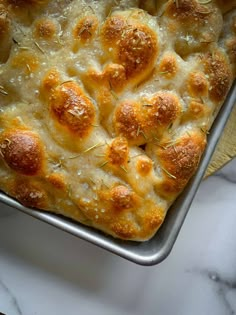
[[39, 48], [28, 67], [67, 81], [103, 164], [123, 168], [170, 144], [87, 150], [155, 138], [138, 131], [24, 48], [204, 2], [92, 181], [169, 128], [3, 91], [89, 7], [143, 134], [112, 91], [163, 72], [176, 3], [168, 173], [74, 157], [204, 131], [93, 147], [15, 41]]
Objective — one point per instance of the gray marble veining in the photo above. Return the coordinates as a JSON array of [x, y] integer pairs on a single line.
[[46, 271], [222, 286], [12, 300]]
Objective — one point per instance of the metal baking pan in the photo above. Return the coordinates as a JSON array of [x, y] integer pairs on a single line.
[[155, 250]]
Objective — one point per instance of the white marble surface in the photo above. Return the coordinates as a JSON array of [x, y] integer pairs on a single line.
[[46, 271]]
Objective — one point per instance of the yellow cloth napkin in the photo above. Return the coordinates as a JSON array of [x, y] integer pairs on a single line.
[[226, 148]]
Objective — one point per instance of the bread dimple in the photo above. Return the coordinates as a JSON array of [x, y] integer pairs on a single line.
[[104, 108]]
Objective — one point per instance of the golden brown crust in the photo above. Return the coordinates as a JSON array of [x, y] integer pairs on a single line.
[[72, 108], [220, 77], [118, 152], [153, 220], [51, 79], [29, 194], [44, 29], [104, 108], [130, 42], [144, 166], [22, 151], [128, 121], [85, 28], [165, 108], [121, 198], [25, 61], [168, 66], [197, 84], [57, 181], [179, 162], [123, 229], [196, 110]]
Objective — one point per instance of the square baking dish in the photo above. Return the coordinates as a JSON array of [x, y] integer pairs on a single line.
[[156, 249]]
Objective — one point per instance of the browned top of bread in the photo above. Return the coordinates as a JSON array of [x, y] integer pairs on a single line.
[[105, 105]]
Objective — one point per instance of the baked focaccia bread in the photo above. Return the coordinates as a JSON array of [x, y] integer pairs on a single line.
[[105, 105]]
